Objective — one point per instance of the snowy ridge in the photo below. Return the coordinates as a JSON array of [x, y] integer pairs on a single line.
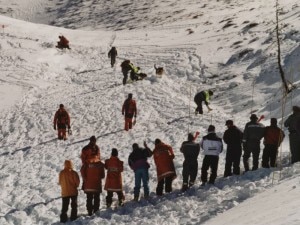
[[230, 49]]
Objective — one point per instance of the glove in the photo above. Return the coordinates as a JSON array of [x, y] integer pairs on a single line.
[[54, 127]]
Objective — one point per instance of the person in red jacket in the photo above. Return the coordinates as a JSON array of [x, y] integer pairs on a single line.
[[113, 183], [129, 111], [63, 42], [163, 157], [61, 122], [92, 186], [69, 182], [273, 137]]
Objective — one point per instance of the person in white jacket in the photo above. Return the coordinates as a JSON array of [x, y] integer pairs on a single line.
[[212, 146]]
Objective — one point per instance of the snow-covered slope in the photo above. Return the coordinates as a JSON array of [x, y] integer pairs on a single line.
[[228, 46]]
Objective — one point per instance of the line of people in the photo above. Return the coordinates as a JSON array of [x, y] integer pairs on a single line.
[[93, 170]]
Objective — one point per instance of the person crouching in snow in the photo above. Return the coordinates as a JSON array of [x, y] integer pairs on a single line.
[[212, 146], [137, 161], [62, 43], [61, 122], [163, 157], [113, 183], [129, 111], [203, 96], [69, 182]]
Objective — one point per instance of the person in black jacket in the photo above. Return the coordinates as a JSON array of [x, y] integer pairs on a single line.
[[112, 54], [233, 137], [253, 133], [137, 161], [190, 151], [203, 96]]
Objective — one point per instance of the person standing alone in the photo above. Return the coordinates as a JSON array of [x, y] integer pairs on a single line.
[[112, 54], [129, 111], [61, 122]]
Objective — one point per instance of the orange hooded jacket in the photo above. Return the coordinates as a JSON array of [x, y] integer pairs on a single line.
[[163, 157], [114, 168], [92, 176], [68, 180]]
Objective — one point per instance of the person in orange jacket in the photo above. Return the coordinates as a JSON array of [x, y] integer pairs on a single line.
[[69, 182], [273, 137], [92, 184], [61, 122], [163, 157], [113, 183], [129, 111], [63, 42]]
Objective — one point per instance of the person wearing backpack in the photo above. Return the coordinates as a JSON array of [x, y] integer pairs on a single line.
[[61, 122], [129, 111], [293, 123]]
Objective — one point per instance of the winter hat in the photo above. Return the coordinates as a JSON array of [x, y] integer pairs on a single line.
[[135, 146], [61, 105], [273, 121], [211, 128], [296, 109], [114, 152], [210, 92], [157, 141], [130, 95], [229, 122], [190, 137], [253, 117], [93, 138]]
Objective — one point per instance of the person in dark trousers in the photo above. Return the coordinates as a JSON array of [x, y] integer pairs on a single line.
[[112, 54], [163, 155], [113, 183], [126, 67], [129, 111], [273, 137], [61, 122], [292, 122], [233, 137], [137, 161], [200, 97], [69, 182], [190, 151], [92, 186], [253, 133], [212, 146]]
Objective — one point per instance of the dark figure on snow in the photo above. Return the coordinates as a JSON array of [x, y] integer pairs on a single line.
[[163, 157], [190, 151], [113, 183], [200, 97], [293, 124], [129, 111], [212, 146], [273, 137], [63, 42], [253, 133], [61, 122], [126, 66], [137, 161], [112, 54], [69, 182], [233, 137]]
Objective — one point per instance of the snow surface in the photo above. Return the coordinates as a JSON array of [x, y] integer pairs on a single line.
[[228, 46]]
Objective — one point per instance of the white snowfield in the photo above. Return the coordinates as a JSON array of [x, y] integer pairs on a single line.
[[227, 46]]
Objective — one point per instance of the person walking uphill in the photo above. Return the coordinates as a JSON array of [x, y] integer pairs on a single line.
[[113, 183], [137, 161], [69, 182], [61, 122], [163, 157], [253, 133], [293, 124], [233, 137], [273, 137], [212, 146], [129, 111], [112, 54], [190, 151], [200, 97]]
